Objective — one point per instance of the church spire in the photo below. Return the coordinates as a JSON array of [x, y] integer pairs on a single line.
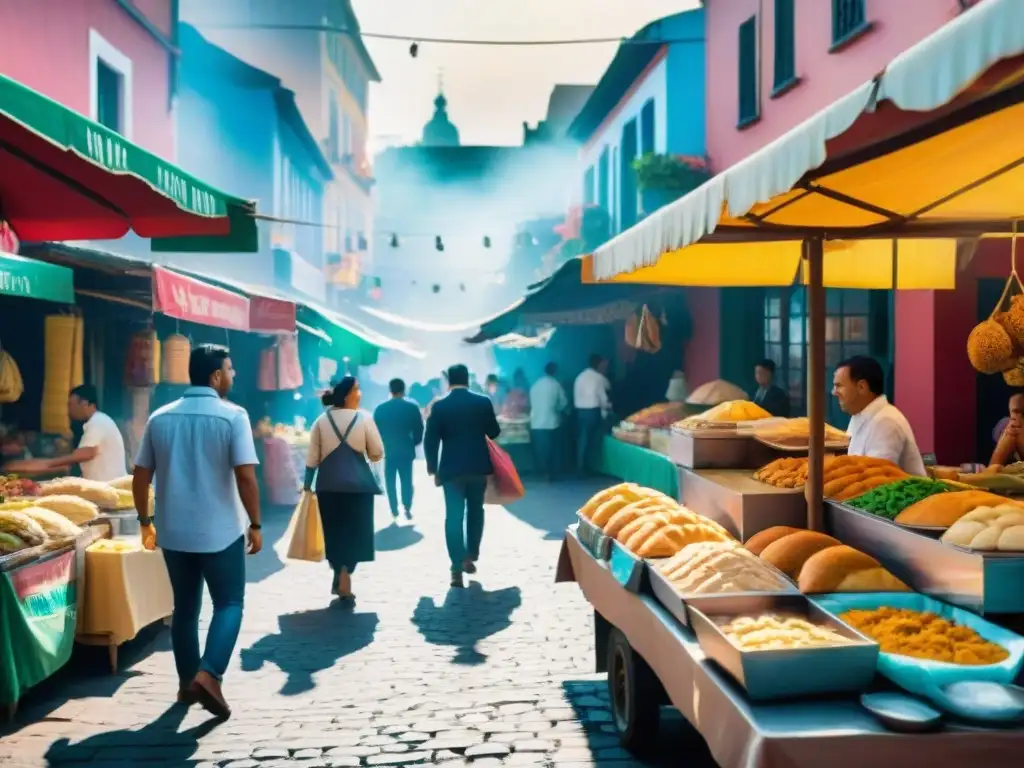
[[440, 131]]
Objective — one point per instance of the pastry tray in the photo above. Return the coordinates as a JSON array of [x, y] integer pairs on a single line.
[[784, 673], [627, 569], [675, 602], [593, 539]]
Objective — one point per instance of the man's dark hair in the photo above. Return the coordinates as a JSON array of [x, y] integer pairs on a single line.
[[866, 369], [396, 387], [596, 360], [551, 368], [768, 365], [86, 393], [492, 378], [206, 360], [458, 376]]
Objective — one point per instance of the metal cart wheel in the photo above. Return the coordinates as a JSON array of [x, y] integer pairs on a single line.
[[635, 693]]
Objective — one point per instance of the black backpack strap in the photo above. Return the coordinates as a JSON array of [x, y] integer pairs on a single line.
[[337, 431]]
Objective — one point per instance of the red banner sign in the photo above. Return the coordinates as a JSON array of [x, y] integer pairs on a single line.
[[271, 315], [185, 298]]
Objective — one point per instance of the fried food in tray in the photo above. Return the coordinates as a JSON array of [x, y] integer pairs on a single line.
[[844, 476], [778, 631]]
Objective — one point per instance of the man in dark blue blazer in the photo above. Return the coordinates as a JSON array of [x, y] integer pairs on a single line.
[[458, 426], [400, 423]]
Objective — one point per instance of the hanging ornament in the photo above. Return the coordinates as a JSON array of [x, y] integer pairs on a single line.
[[487, 241], [414, 50], [436, 288], [439, 243]]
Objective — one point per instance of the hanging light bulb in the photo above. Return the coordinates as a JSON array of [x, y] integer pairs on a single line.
[[462, 287], [439, 243], [414, 50], [436, 288], [487, 241], [394, 241]]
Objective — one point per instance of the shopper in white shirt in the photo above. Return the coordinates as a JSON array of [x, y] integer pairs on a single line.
[[548, 403], [590, 398], [101, 452], [877, 428]]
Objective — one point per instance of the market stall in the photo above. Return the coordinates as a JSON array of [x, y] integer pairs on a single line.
[[890, 594]]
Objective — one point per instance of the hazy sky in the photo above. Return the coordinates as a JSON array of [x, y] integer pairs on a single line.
[[490, 90]]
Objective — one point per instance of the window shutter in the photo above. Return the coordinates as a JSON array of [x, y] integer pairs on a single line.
[[848, 16], [748, 107], [785, 43], [647, 135]]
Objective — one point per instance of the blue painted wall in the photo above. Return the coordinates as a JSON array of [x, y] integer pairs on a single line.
[[685, 76]]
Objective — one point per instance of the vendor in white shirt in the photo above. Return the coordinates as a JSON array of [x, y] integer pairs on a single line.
[[590, 398], [877, 428], [101, 452]]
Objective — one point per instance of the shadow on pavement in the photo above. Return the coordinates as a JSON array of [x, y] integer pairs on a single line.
[[551, 506], [87, 675], [159, 741], [677, 743], [466, 617], [396, 537], [310, 642], [262, 566]]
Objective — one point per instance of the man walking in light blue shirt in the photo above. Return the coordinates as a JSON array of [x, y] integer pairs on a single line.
[[200, 451], [548, 404]]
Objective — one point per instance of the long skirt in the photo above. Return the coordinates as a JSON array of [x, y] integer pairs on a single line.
[[348, 528]]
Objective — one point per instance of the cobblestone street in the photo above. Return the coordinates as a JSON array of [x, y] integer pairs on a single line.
[[498, 674]]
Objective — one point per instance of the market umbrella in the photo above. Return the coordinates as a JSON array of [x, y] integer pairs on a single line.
[[65, 177], [952, 167]]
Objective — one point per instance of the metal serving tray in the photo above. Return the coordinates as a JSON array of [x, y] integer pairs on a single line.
[[783, 674], [718, 449], [593, 539], [983, 582], [739, 503], [628, 569], [675, 602]]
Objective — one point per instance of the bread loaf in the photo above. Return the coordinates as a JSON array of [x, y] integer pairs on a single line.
[[626, 515], [587, 510], [664, 533], [789, 553], [989, 529], [656, 541], [759, 541], [844, 569], [944, 509]]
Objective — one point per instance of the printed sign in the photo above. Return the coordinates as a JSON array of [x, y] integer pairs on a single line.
[[185, 298], [271, 315]]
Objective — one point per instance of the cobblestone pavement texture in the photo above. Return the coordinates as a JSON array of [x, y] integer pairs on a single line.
[[498, 674]]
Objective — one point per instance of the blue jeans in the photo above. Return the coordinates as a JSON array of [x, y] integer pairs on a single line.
[[588, 432], [545, 452], [395, 471], [464, 519], [224, 575]]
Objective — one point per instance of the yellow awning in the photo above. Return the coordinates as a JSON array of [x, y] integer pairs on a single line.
[[956, 173]]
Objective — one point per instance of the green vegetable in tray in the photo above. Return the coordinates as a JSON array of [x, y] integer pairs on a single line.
[[892, 498]]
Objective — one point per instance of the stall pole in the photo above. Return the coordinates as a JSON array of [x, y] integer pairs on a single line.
[[814, 253]]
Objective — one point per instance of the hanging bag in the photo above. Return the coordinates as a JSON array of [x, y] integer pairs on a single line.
[[345, 470], [306, 531], [997, 344], [504, 486]]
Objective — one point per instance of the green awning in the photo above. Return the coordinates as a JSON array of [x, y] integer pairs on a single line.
[[65, 177], [35, 279]]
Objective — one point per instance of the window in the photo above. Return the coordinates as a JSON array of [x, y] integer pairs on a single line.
[[848, 20], [602, 182], [628, 188], [748, 106], [110, 85], [332, 136], [647, 134], [785, 44], [588, 186], [346, 134]]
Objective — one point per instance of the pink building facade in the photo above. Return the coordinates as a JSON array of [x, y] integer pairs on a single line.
[[111, 60], [771, 64]]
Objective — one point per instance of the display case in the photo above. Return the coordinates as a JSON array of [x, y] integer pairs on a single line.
[[739, 503]]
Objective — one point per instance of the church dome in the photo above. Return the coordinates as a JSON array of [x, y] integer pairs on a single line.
[[440, 131]]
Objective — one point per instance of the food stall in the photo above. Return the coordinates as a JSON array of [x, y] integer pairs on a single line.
[[886, 608], [64, 177]]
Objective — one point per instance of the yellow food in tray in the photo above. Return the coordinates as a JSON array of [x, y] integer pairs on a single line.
[[776, 631], [923, 635], [730, 412], [844, 476], [114, 546]]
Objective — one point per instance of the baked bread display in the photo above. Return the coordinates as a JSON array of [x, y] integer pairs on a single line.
[[717, 567], [789, 553], [759, 541], [775, 631], [845, 569], [944, 509], [820, 563], [100, 494], [663, 534], [989, 529]]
